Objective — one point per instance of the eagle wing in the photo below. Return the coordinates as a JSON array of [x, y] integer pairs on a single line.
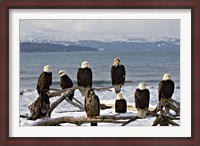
[[160, 90], [79, 76], [142, 98], [112, 72], [40, 83], [85, 104], [65, 82], [171, 88], [98, 104], [44, 81], [147, 98], [84, 77], [165, 89], [61, 83], [89, 77], [50, 78], [136, 96], [124, 72], [118, 74]]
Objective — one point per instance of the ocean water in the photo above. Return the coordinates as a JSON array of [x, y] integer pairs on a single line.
[[141, 66]]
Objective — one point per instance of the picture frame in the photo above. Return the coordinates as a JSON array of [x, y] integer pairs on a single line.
[[89, 4]]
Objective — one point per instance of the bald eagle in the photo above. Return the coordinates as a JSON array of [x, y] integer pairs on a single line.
[[65, 82], [44, 80], [118, 74], [92, 105], [43, 86], [142, 96], [84, 77], [120, 104], [165, 88]]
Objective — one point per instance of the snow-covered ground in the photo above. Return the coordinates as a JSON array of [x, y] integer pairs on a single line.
[[66, 109]]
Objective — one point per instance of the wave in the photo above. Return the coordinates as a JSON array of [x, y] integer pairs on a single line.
[[94, 82], [106, 84], [98, 83]]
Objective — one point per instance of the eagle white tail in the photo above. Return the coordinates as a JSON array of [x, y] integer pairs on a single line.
[[142, 113]]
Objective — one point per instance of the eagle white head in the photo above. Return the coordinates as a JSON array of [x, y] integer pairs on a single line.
[[47, 68], [142, 86], [166, 76], [90, 93], [84, 64], [61, 73], [116, 61], [119, 96]]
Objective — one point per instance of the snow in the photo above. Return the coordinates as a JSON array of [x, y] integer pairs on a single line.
[[106, 97], [127, 39], [60, 112]]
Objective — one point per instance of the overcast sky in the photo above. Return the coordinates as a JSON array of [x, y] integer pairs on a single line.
[[73, 30]]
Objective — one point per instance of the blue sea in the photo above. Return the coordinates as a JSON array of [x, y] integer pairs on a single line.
[[141, 66]]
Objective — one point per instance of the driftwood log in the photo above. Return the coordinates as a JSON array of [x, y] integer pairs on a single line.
[[171, 104], [165, 118], [165, 121], [81, 120], [35, 109]]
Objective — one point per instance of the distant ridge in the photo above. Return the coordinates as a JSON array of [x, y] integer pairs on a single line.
[[98, 45], [28, 47]]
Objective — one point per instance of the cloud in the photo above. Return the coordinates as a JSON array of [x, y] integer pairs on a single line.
[[86, 29]]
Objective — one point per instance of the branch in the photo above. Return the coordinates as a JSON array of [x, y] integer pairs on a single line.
[[172, 122], [57, 102], [115, 117], [102, 107], [57, 92], [73, 120], [164, 121], [63, 95], [162, 118], [67, 92], [80, 103], [170, 104], [131, 120], [75, 104]]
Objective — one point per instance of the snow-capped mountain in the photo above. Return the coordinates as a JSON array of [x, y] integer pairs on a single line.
[[127, 43]]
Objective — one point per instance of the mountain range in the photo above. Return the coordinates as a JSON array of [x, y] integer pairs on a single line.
[[98, 45]]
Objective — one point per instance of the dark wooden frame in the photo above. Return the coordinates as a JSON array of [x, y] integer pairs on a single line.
[[6, 5]]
